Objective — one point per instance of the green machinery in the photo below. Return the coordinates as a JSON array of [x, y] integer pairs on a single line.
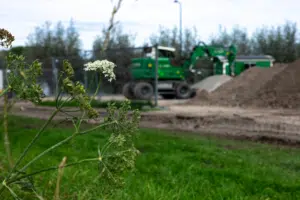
[[175, 76]]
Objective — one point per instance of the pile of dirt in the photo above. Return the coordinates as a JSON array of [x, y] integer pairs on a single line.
[[283, 91], [203, 94], [243, 89]]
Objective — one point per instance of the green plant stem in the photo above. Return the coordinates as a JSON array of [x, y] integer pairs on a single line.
[[59, 144], [95, 128], [68, 114], [10, 190], [33, 141], [96, 92], [51, 168], [93, 78], [5, 132], [57, 98], [63, 103], [11, 104], [30, 145], [46, 151], [4, 92]]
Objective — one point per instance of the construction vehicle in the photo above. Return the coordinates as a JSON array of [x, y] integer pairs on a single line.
[[175, 76]]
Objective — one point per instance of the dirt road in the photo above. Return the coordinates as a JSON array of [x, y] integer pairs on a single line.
[[268, 125]]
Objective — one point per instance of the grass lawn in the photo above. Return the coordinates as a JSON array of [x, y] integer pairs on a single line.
[[170, 166]]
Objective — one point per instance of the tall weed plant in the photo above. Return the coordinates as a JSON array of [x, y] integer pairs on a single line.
[[114, 158]]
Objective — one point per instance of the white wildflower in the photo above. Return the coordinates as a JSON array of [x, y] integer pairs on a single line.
[[104, 66]]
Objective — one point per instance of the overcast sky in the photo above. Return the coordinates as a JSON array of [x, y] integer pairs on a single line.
[[143, 17]]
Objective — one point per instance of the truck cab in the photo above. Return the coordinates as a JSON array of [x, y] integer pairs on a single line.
[[163, 52]]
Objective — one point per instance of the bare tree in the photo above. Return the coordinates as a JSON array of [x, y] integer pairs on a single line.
[[111, 25]]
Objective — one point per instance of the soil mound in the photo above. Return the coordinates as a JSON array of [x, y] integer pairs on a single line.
[[241, 90], [283, 91], [203, 94]]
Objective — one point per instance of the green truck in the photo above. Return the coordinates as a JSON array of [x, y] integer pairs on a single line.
[[175, 76]]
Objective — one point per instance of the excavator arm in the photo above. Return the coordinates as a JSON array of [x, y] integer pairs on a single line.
[[214, 54]]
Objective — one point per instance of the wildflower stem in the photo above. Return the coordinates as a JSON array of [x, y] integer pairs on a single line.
[[59, 144], [10, 190], [33, 141], [95, 128], [4, 92], [91, 82], [96, 92], [57, 99], [46, 151], [52, 168], [5, 132]]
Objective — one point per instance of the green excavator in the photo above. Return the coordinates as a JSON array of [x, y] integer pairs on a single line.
[[176, 75]]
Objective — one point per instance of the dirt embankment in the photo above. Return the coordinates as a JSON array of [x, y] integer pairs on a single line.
[[275, 87]]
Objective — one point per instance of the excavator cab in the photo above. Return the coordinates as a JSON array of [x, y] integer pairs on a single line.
[[163, 52]]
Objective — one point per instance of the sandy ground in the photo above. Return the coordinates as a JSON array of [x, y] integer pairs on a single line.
[[267, 125]]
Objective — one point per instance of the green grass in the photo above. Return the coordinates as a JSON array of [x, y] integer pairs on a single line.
[[171, 166], [102, 104]]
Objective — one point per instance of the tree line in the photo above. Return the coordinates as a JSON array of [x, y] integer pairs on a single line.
[[63, 42], [57, 40]]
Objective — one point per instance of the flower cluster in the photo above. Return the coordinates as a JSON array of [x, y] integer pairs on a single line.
[[6, 38], [120, 154], [23, 78], [104, 66], [76, 90]]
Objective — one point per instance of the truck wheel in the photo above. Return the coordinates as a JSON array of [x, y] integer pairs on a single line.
[[193, 93], [183, 91], [143, 91], [127, 91], [168, 96]]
